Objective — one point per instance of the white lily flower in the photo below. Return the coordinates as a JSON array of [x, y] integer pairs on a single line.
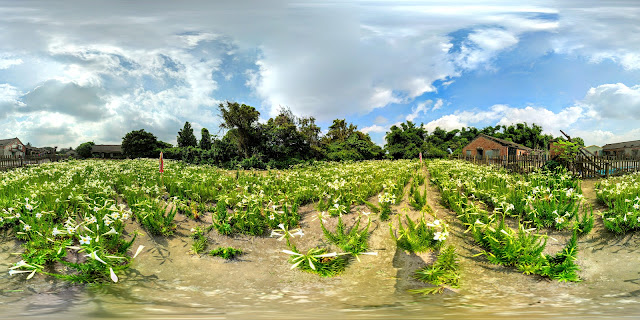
[[112, 231], [95, 256]]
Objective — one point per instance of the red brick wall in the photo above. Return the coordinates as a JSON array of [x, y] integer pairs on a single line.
[[486, 145]]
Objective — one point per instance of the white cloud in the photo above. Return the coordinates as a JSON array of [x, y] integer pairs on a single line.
[[613, 101], [421, 108], [374, 128], [7, 63], [600, 31], [437, 105], [448, 122], [551, 122], [483, 45]]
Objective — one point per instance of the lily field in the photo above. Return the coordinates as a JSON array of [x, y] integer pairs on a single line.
[[80, 221]]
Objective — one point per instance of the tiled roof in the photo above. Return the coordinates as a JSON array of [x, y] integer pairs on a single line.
[[505, 142], [107, 148]]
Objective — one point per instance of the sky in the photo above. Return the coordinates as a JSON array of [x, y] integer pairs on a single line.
[[77, 71]]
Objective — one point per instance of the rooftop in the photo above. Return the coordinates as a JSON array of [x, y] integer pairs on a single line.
[[505, 142], [620, 145]]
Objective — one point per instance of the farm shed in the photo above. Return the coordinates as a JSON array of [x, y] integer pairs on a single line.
[[107, 151], [629, 149], [595, 150], [12, 148], [490, 147]]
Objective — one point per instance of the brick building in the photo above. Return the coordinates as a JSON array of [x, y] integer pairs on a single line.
[[12, 147], [484, 146]]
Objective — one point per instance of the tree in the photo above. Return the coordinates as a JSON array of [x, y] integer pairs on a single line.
[[84, 150], [282, 142], [406, 141], [140, 144], [186, 138], [205, 140], [241, 121]]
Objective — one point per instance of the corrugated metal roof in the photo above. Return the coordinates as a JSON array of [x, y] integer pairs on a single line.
[[622, 145]]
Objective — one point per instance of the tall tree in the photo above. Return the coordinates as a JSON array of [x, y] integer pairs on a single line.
[[241, 120], [310, 131], [205, 140], [186, 138], [141, 144]]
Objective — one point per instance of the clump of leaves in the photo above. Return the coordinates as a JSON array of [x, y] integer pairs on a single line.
[[317, 260], [156, 218], [226, 252], [444, 273], [418, 199], [584, 224], [562, 266], [252, 220], [199, 241], [420, 236], [350, 240]]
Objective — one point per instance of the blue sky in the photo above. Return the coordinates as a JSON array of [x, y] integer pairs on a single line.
[[76, 71]]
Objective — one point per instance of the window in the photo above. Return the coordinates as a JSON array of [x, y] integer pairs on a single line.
[[468, 153]]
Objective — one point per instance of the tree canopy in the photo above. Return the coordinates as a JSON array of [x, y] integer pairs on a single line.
[[84, 149], [141, 144]]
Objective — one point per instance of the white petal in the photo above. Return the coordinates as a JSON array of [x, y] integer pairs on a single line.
[[296, 264], [326, 255], [291, 252], [114, 278], [138, 251]]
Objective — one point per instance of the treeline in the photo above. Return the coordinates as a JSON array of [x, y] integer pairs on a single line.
[[408, 140], [283, 141], [287, 140]]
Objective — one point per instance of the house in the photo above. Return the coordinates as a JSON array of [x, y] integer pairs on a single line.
[[33, 151], [595, 150], [485, 146], [107, 151], [12, 148], [627, 149]]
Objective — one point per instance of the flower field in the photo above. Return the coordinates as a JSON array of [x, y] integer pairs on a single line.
[[622, 196], [70, 217], [488, 200]]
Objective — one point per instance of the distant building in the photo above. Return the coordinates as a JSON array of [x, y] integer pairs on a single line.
[[629, 149], [107, 151], [485, 146], [12, 147], [595, 150]]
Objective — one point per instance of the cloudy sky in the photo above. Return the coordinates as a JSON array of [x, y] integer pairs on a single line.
[[76, 71]]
